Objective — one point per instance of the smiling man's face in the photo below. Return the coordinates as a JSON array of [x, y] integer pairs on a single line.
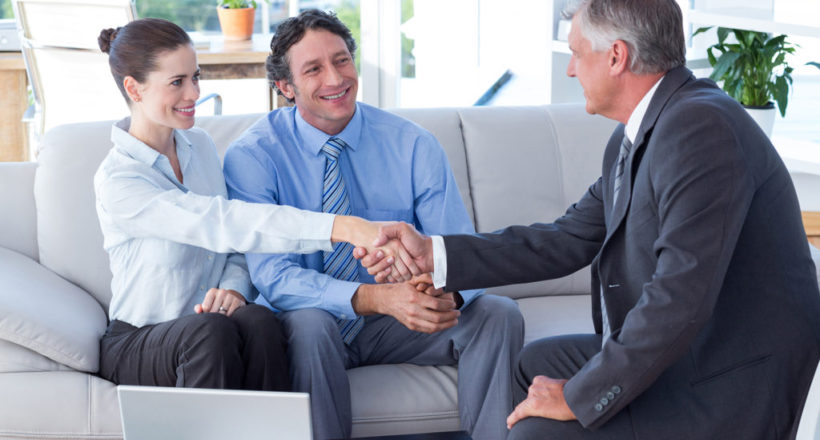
[[324, 82]]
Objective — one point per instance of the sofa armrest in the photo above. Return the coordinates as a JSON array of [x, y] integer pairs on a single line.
[[47, 314], [18, 226]]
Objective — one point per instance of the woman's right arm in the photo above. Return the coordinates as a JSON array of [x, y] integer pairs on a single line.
[[141, 209]]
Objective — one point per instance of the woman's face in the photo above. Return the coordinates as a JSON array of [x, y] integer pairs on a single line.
[[169, 93]]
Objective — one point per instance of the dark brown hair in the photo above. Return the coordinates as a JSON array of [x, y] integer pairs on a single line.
[[291, 32], [134, 48]]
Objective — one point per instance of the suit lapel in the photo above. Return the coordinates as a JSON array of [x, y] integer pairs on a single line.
[[673, 80]]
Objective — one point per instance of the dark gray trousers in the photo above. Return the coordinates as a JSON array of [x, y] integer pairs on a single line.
[[484, 344], [209, 350], [560, 357]]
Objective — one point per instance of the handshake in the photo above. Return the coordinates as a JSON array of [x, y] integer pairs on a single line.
[[401, 260]]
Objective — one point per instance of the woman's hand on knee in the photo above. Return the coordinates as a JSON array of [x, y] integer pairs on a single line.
[[221, 301]]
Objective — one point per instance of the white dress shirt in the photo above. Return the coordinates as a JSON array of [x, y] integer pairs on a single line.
[[170, 242], [631, 130]]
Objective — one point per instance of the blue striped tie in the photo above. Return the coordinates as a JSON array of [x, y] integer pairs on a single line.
[[626, 145], [339, 263]]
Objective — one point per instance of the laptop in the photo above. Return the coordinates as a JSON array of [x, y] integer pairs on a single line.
[[157, 413]]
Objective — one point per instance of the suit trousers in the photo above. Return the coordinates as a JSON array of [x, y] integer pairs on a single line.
[[484, 344], [560, 357], [208, 350]]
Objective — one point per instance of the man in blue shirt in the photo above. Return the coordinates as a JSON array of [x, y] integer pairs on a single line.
[[329, 153]]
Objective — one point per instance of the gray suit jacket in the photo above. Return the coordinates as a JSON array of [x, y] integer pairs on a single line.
[[710, 288]]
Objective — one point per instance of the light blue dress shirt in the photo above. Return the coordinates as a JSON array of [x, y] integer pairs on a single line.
[[393, 170], [170, 242]]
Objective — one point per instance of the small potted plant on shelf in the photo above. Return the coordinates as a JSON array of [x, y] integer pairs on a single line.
[[236, 19], [754, 71]]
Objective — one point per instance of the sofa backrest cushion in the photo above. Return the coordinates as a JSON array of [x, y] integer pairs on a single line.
[[68, 232], [530, 167], [18, 224]]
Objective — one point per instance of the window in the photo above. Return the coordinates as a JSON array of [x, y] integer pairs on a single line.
[[348, 12], [200, 15], [5, 10], [801, 122]]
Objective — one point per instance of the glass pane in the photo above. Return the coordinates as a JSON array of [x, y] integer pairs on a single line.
[[801, 121], [408, 60], [191, 15], [277, 12], [5, 9], [348, 11]]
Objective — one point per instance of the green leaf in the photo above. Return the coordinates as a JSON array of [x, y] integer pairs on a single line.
[[702, 30], [723, 65], [713, 60], [722, 34], [781, 94], [813, 63]]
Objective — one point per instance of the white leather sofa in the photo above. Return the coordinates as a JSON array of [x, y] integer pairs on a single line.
[[514, 165]]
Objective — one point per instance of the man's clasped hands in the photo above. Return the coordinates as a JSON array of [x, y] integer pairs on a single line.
[[407, 266]]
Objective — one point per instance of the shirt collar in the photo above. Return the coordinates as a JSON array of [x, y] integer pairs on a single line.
[[314, 139], [142, 152], [635, 119]]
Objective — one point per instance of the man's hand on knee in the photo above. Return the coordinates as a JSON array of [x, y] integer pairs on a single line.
[[545, 399], [415, 309]]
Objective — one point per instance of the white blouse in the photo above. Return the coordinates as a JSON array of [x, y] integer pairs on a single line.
[[169, 243]]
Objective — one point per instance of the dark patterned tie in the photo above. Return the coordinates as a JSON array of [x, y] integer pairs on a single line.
[[339, 263], [626, 145]]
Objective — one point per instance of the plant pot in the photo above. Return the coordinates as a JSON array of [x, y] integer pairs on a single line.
[[236, 24], [764, 116]]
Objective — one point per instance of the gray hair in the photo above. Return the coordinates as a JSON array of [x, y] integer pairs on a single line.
[[651, 29]]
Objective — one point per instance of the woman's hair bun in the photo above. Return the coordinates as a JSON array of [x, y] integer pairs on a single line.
[[106, 38]]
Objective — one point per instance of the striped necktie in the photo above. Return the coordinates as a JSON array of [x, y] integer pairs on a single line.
[[339, 263], [626, 145]]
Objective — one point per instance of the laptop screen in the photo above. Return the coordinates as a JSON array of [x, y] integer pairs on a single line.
[[156, 413]]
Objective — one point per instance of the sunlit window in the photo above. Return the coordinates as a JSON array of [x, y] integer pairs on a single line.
[[5, 9]]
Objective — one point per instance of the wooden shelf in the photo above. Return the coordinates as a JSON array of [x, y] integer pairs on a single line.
[[811, 222]]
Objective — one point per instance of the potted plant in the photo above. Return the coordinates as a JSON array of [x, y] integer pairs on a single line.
[[754, 71], [236, 19]]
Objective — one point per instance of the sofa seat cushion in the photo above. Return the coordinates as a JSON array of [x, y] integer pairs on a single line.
[[58, 405], [403, 398], [48, 315]]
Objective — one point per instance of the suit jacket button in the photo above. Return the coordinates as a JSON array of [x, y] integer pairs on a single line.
[[610, 395], [616, 389], [604, 401], [599, 407]]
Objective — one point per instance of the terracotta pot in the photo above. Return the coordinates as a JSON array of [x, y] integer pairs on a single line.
[[236, 24]]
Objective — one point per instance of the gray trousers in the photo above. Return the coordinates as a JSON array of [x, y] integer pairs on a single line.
[[484, 344], [560, 357]]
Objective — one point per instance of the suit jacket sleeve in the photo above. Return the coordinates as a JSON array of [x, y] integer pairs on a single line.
[[520, 254]]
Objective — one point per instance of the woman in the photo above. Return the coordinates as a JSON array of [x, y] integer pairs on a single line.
[[174, 240]]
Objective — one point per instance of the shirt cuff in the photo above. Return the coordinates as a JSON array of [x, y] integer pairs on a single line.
[[439, 262], [317, 226], [338, 296], [244, 288]]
